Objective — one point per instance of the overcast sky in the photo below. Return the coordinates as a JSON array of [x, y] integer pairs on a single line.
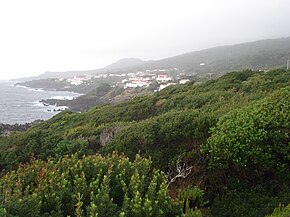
[[61, 35]]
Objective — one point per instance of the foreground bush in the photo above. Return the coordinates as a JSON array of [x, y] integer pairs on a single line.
[[92, 186]]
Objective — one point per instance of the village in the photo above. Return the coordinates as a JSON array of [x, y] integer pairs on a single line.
[[161, 78]]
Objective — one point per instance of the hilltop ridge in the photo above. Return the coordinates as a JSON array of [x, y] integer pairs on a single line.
[[263, 54]]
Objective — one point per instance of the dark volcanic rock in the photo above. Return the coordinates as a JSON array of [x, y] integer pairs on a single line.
[[6, 129]]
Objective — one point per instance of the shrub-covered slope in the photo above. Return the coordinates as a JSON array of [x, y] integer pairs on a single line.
[[202, 104], [224, 136]]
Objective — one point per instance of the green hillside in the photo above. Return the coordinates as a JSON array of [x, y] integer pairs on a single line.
[[220, 148]]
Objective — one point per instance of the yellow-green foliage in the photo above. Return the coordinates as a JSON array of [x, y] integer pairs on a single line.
[[281, 212], [92, 186]]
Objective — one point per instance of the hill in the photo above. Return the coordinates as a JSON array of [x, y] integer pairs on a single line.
[[124, 63], [119, 65], [224, 145], [263, 55]]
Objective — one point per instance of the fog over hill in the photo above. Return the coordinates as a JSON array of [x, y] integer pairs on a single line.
[[125, 63], [263, 54]]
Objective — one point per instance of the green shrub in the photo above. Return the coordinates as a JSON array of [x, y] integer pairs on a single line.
[[92, 186], [244, 204], [163, 137], [253, 136]]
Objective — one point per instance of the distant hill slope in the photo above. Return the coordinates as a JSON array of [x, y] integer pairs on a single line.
[[124, 63], [264, 54], [67, 74], [117, 66]]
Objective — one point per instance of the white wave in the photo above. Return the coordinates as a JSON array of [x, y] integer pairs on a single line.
[[62, 97], [56, 108], [28, 88], [38, 103]]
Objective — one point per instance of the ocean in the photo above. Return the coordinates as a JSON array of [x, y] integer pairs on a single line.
[[21, 105]]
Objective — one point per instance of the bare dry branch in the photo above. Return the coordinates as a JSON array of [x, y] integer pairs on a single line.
[[181, 171]]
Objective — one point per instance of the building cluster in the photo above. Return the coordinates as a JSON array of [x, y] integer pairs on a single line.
[[160, 77], [145, 79], [79, 79]]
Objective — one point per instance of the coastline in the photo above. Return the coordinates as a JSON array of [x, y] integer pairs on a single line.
[[21, 105], [54, 103]]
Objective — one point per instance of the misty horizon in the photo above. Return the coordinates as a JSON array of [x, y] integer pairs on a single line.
[[73, 36], [147, 60]]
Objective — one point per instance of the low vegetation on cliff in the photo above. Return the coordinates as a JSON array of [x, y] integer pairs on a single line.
[[220, 148]]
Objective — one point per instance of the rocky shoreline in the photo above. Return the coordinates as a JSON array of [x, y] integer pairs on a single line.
[[7, 129], [96, 98]]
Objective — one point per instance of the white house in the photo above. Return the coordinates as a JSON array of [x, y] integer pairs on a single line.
[[137, 83], [184, 81], [79, 79], [163, 78], [162, 86]]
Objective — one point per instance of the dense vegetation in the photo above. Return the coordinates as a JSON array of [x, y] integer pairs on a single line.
[[92, 186], [224, 146]]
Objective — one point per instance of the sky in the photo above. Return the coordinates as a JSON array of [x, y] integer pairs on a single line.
[[61, 35]]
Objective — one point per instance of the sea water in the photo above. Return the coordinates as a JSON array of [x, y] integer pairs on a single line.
[[21, 105]]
